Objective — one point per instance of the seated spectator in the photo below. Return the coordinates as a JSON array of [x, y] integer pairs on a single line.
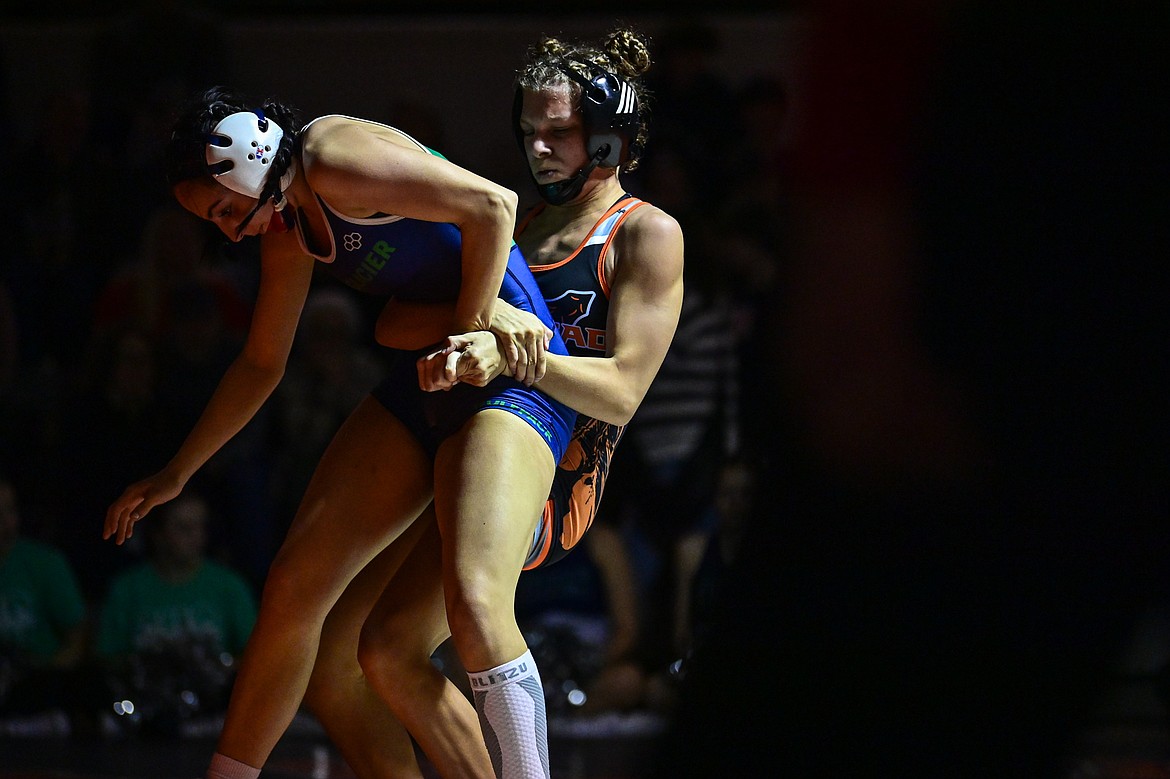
[[705, 558], [42, 619], [581, 619], [172, 625], [116, 424], [236, 480], [664, 474]]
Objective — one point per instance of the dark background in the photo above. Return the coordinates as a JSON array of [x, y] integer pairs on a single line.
[[967, 506]]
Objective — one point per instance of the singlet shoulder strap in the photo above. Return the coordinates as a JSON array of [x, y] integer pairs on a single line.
[[528, 217], [605, 230], [601, 232]]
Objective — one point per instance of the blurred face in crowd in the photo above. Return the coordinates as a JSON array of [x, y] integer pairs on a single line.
[[131, 377], [735, 492], [183, 539], [734, 499]]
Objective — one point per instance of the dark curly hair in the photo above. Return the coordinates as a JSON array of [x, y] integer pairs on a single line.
[[623, 52], [186, 156]]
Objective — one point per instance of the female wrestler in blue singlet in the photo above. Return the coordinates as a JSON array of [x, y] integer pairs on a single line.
[[610, 268], [391, 218]]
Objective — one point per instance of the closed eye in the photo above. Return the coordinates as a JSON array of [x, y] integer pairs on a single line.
[[223, 213]]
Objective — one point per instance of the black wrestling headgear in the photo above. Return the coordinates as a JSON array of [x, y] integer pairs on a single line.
[[609, 109], [611, 119]]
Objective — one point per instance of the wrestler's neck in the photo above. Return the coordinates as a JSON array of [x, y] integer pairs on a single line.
[[305, 212], [598, 194], [299, 193]]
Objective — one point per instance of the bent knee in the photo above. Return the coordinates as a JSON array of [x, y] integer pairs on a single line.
[[390, 667], [375, 650], [324, 694], [303, 582], [285, 590], [480, 611], [386, 651]]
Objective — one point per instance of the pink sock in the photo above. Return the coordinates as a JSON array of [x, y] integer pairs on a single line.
[[224, 767]]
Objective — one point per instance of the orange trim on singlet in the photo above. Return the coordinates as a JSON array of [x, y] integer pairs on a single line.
[[608, 241], [546, 519], [578, 522], [618, 206]]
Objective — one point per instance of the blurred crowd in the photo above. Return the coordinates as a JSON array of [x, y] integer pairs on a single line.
[[898, 497], [119, 313]]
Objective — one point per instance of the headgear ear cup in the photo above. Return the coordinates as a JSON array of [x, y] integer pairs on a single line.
[[239, 150], [610, 114]]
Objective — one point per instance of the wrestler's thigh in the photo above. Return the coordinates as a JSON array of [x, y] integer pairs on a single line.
[[344, 624], [492, 480], [371, 482], [411, 608]]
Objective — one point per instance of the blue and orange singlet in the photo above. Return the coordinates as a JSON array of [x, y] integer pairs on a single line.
[[577, 294]]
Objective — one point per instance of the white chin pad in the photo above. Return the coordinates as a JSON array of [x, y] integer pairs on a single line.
[[238, 139]]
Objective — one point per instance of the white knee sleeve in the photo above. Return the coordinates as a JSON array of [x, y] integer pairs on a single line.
[[510, 701]]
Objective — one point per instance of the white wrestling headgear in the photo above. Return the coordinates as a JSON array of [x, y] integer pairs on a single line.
[[240, 149]]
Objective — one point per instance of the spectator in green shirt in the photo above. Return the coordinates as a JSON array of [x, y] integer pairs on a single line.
[[172, 625], [42, 616]]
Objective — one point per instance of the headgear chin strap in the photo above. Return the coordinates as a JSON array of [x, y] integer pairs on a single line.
[[239, 150], [560, 192], [278, 201]]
